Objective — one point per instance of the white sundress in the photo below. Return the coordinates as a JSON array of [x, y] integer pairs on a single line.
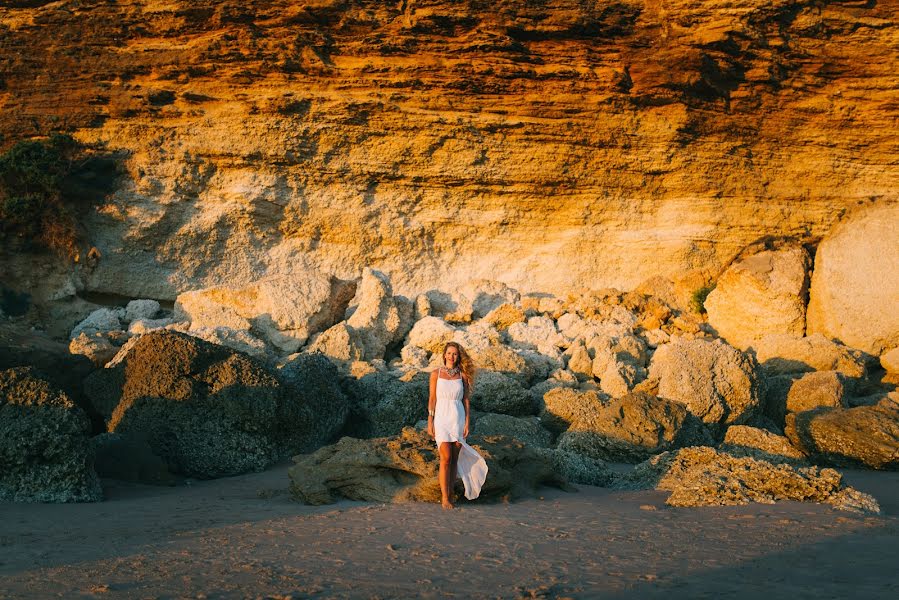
[[449, 425]]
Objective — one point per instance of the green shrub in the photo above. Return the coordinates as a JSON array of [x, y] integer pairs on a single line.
[[45, 186], [697, 301]]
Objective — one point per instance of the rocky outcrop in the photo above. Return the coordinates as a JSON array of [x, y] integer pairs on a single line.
[[526, 429], [702, 476], [843, 303], [404, 468], [381, 404], [577, 468], [206, 410], [317, 407], [498, 393], [715, 381], [762, 294], [378, 318], [815, 390], [741, 440], [864, 435], [787, 353], [283, 310], [45, 445]]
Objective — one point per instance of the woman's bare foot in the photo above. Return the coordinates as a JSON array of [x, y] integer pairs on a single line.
[[448, 505]]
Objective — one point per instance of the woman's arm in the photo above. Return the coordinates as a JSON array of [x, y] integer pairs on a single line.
[[466, 403], [432, 402]]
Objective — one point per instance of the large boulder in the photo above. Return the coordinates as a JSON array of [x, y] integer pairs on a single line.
[[526, 429], [99, 348], [430, 333], [381, 404], [815, 390], [577, 468], [631, 428], [130, 458], [484, 344], [379, 319], [404, 468], [141, 309], [498, 393], [539, 333], [742, 440], [855, 284], [285, 310], [45, 448], [484, 295], [563, 406], [864, 435], [762, 294], [314, 379], [102, 320], [716, 382], [703, 476], [207, 410], [788, 353], [338, 342]]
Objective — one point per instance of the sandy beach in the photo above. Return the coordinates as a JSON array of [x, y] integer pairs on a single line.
[[244, 537]]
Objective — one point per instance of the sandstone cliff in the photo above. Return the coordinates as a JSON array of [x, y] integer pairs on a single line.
[[545, 144]]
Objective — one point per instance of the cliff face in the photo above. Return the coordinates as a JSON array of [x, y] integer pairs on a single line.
[[547, 144]]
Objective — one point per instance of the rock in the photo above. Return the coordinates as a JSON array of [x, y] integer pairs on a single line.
[[889, 360], [142, 326], [865, 435], [740, 440], [777, 388], [498, 393], [339, 342], [324, 408], [379, 319], [538, 366], [98, 348], [539, 333], [206, 410], [505, 315], [45, 444], [382, 404], [486, 295], [235, 339], [703, 476], [527, 430], [577, 468], [631, 428], [101, 320], [285, 310], [484, 345], [580, 362], [715, 381], [430, 333], [141, 309], [843, 303], [563, 406], [762, 294], [421, 307], [129, 458], [404, 468], [414, 356], [786, 353], [814, 390]]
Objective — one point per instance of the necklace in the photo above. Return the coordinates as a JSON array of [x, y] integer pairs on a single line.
[[453, 371]]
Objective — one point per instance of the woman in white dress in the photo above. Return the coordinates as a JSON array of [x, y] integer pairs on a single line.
[[449, 424]]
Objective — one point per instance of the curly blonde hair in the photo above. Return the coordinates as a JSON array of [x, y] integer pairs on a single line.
[[465, 364]]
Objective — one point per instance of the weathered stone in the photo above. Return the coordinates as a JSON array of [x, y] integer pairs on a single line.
[[505, 315], [703, 476], [762, 294], [843, 303], [324, 408], [421, 307], [101, 320], [527, 429], [579, 361], [890, 360], [741, 440], [485, 295], [404, 468], [382, 404], [284, 309], [206, 410], [631, 428], [379, 319], [786, 353], [538, 366], [430, 333], [129, 458], [484, 345], [577, 468], [45, 444], [539, 333], [777, 388], [496, 392], [414, 356], [715, 381], [142, 326], [338, 342], [240, 340], [141, 309], [98, 348], [815, 390], [563, 406], [865, 435]]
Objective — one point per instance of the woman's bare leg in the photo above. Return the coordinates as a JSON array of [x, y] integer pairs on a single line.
[[446, 473], [456, 447]]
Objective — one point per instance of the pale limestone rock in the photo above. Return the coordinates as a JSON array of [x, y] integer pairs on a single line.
[[286, 309], [816, 390], [414, 356], [619, 378], [97, 347], [379, 319], [539, 333], [484, 344], [430, 333], [338, 342], [141, 309], [560, 378], [786, 353], [759, 295], [499, 393], [462, 313], [855, 285], [551, 306], [742, 440], [539, 366], [485, 295], [890, 360], [422, 307], [236, 339], [530, 303], [142, 326], [101, 320], [580, 362], [525, 429], [656, 337], [505, 315], [715, 381]]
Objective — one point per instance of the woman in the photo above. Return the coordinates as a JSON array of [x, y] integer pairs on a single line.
[[448, 424]]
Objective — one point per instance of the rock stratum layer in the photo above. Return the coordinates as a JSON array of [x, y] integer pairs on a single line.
[[445, 141]]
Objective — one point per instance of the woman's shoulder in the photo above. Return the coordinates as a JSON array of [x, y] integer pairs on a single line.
[[435, 374]]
